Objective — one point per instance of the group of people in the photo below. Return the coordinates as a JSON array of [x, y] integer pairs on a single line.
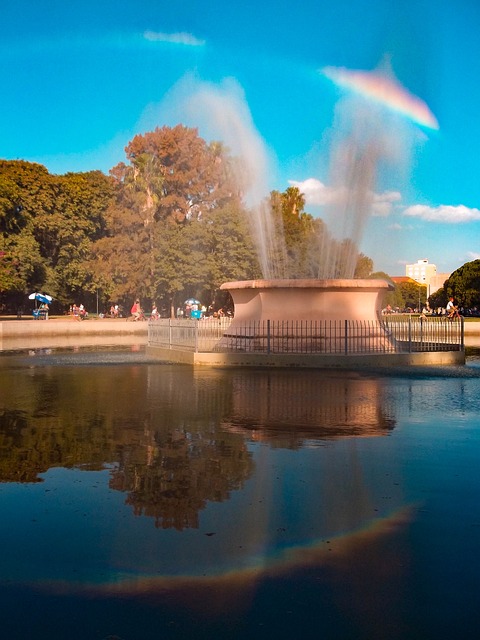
[[451, 311], [114, 311], [137, 313], [78, 312]]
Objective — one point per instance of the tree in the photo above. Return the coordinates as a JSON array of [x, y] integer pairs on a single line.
[[393, 298], [48, 224], [25, 190], [311, 252], [190, 176], [170, 203], [438, 299], [68, 232], [121, 259], [464, 285], [226, 249], [414, 295], [298, 229], [196, 257], [364, 266]]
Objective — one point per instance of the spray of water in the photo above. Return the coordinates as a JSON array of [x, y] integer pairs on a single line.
[[362, 141], [224, 111]]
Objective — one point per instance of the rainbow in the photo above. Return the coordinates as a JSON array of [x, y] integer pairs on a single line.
[[384, 90]]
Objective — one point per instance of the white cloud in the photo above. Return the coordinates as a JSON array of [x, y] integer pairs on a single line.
[[472, 255], [319, 194], [444, 213], [174, 38]]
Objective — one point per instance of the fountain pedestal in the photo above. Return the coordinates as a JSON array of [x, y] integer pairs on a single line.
[[327, 316], [257, 300]]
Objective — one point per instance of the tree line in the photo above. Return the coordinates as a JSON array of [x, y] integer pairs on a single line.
[[168, 223]]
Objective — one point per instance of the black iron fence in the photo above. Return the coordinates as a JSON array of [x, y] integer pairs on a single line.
[[391, 335]]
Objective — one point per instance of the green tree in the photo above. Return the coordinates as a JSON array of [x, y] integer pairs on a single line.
[[22, 268], [364, 266], [299, 230], [413, 294], [464, 285], [67, 233], [393, 298], [438, 299], [25, 189], [48, 224]]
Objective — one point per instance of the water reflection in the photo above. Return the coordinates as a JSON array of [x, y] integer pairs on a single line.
[[292, 411], [159, 431], [248, 499], [175, 438]]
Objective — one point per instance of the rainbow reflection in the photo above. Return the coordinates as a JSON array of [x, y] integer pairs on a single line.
[[232, 589]]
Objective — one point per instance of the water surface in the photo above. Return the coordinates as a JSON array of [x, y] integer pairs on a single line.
[[142, 500]]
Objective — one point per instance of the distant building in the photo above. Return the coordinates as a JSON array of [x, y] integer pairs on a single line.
[[425, 273]]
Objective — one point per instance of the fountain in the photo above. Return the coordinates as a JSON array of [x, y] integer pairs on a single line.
[[363, 144], [286, 319], [307, 316]]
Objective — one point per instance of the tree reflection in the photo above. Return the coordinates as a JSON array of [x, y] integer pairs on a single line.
[[182, 471], [158, 428], [175, 438]]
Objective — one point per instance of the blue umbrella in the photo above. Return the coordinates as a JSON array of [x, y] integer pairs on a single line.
[[41, 297]]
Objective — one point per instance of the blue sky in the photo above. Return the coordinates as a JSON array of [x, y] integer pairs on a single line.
[[80, 78]]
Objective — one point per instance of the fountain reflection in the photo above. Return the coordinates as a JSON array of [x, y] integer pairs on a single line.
[[292, 411]]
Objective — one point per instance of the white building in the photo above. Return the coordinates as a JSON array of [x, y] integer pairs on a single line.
[[425, 273]]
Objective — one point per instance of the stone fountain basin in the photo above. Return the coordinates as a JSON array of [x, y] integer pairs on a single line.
[[307, 299]]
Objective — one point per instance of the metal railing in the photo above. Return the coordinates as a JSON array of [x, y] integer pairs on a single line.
[[187, 334], [391, 335], [426, 333]]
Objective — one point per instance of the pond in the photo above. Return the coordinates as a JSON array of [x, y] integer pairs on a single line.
[[145, 500]]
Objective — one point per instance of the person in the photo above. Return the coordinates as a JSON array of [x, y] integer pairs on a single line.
[[155, 315], [136, 310], [452, 311]]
